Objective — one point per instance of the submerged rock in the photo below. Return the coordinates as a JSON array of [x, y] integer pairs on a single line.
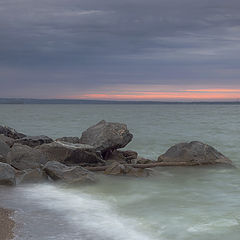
[[10, 132], [194, 152], [107, 136], [7, 174], [24, 157], [31, 176], [4, 149], [70, 154], [120, 169], [74, 140], [74, 174], [34, 141]]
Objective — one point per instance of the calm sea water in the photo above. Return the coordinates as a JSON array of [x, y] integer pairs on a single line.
[[175, 204]]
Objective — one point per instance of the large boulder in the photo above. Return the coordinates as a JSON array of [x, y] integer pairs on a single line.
[[107, 136], [194, 152], [119, 169], [71, 154], [24, 157], [31, 176], [7, 174], [4, 148], [74, 140], [10, 132], [34, 141], [9, 141], [74, 174]]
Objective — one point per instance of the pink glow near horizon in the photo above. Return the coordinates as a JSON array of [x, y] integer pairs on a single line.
[[132, 93]]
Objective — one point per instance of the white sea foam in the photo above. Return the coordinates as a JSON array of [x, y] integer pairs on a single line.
[[212, 226], [94, 215]]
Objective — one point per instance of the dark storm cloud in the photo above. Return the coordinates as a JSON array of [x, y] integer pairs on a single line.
[[109, 41]]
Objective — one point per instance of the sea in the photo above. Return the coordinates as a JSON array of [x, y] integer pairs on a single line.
[[176, 203]]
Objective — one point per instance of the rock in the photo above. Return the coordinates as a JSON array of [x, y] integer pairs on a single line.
[[34, 141], [141, 160], [74, 140], [119, 169], [4, 148], [194, 152], [31, 176], [121, 156], [3, 159], [9, 141], [24, 157], [74, 174], [107, 136], [70, 154], [10, 132], [7, 174]]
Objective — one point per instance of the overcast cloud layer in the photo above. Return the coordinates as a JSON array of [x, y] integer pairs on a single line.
[[52, 48]]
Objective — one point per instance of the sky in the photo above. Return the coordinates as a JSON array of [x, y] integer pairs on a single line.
[[183, 50]]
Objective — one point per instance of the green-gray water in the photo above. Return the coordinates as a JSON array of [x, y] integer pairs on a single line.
[[175, 204]]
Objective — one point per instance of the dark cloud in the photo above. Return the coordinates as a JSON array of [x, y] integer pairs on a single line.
[[96, 42]]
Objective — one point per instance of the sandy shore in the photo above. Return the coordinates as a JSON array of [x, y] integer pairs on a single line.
[[6, 224]]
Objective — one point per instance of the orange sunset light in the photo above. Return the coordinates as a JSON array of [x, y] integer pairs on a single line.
[[188, 94]]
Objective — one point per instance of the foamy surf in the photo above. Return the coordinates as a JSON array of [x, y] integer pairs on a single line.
[[94, 217], [214, 225]]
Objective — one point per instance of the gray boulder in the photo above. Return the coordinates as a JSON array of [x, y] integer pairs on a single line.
[[107, 136], [34, 141], [4, 148], [71, 154], [74, 140], [121, 156], [7, 174], [141, 160], [119, 169], [3, 159], [194, 152], [60, 172], [10, 132], [31, 176], [24, 157], [9, 141]]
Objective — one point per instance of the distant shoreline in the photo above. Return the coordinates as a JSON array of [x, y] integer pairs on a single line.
[[82, 101]]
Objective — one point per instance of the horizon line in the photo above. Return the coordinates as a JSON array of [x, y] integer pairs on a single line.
[[79, 101]]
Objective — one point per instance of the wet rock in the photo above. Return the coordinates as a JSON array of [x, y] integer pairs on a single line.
[[71, 154], [7, 174], [74, 140], [74, 174], [121, 156], [141, 160], [31, 176], [4, 149], [9, 141], [194, 152], [24, 157], [120, 169], [3, 159], [107, 136], [34, 141], [10, 132]]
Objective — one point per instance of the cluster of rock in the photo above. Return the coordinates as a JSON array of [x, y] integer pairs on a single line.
[[72, 159]]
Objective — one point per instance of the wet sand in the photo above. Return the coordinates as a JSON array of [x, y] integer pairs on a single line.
[[6, 224]]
